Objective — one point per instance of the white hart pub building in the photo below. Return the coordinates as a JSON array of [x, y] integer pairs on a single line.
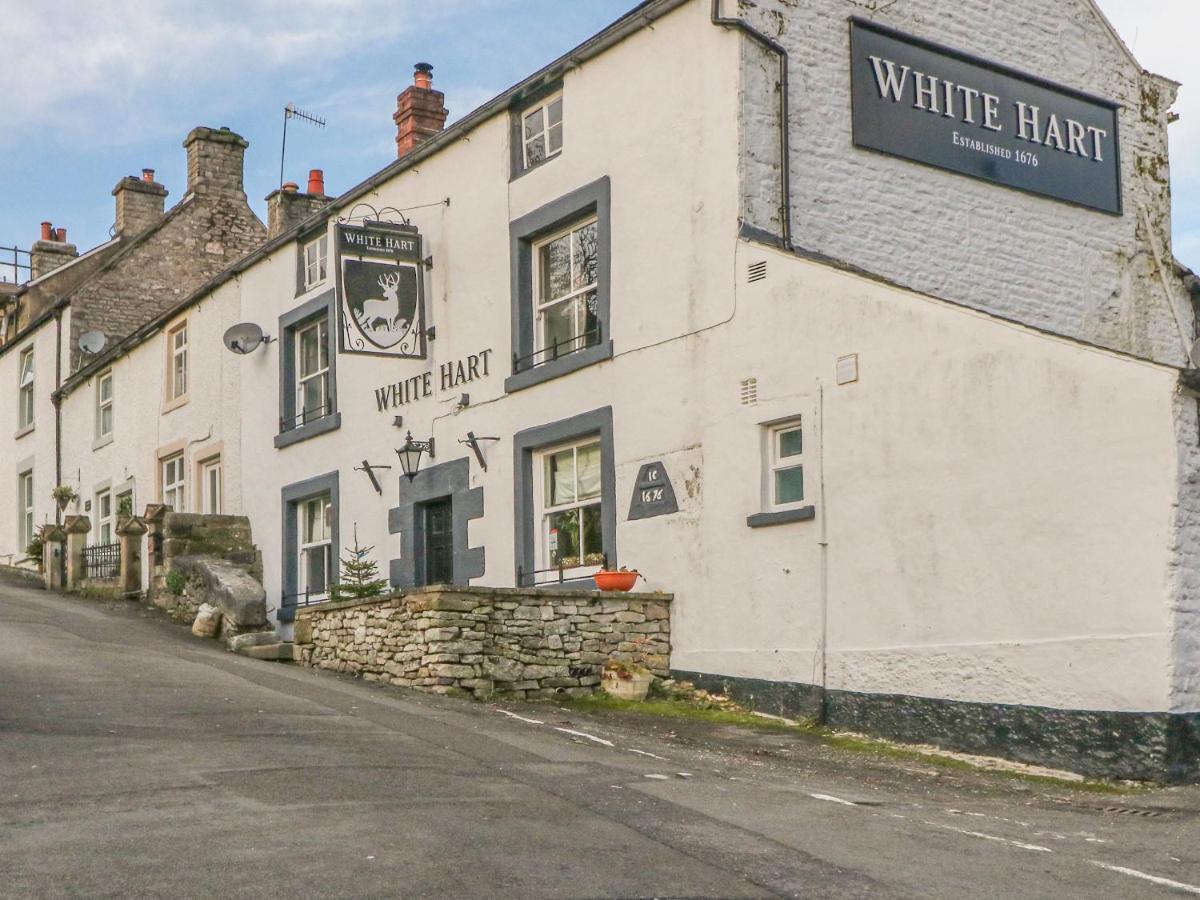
[[857, 331]]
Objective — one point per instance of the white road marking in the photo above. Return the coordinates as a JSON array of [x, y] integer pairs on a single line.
[[657, 777], [644, 753], [1165, 882], [584, 734], [831, 799], [992, 837], [521, 718]]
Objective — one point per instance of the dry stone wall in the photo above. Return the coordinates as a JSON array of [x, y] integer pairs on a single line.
[[484, 640]]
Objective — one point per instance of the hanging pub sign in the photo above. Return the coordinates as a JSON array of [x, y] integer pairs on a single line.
[[927, 103], [381, 291]]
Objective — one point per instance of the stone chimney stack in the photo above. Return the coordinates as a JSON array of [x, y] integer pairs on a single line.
[[287, 207], [420, 111], [214, 162], [140, 203], [51, 251]]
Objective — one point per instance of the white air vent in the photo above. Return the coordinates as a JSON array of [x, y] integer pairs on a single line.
[[756, 271], [749, 392]]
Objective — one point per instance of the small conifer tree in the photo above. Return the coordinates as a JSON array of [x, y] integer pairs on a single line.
[[360, 574]]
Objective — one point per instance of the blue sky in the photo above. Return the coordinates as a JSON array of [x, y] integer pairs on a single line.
[[94, 91]]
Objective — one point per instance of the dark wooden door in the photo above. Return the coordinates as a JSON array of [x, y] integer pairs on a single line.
[[439, 542]]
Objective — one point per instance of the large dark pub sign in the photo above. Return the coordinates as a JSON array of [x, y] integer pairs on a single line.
[[927, 103], [381, 291]]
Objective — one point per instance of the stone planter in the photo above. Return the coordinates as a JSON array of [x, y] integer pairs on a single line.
[[626, 682]]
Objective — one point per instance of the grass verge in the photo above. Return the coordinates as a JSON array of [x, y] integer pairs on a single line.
[[672, 707]]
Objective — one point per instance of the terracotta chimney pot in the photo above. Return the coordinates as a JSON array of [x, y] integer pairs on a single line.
[[423, 76], [148, 175], [316, 182], [61, 235], [290, 187], [46, 233]]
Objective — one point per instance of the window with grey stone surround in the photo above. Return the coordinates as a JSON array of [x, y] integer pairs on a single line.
[[293, 497], [528, 447], [561, 268], [308, 371]]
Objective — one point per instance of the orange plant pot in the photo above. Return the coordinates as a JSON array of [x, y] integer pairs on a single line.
[[615, 581]]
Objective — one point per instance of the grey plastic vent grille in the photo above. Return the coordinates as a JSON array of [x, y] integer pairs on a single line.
[[749, 391], [756, 271]]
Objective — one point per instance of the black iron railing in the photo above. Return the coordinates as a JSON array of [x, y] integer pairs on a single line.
[[306, 416], [303, 599], [102, 561], [589, 338], [560, 574]]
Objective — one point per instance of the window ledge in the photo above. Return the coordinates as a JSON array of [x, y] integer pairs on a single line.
[[537, 165], [102, 442], [170, 405], [311, 430], [21, 432], [765, 520], [562, 366]]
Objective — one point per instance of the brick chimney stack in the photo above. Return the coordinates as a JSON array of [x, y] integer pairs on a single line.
[[420, 110], [287, 207], [214, 161], [140, 203], [51, 251]]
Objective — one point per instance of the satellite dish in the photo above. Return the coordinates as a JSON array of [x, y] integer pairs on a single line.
[[244, 338], [92, 342]]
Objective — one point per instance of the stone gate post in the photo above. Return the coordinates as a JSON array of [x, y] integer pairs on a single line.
[[54, 539], [130, 532], [77, 528]]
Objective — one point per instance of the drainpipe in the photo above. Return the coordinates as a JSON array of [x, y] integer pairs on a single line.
[[823, 542], [785, 154], [57, 401]]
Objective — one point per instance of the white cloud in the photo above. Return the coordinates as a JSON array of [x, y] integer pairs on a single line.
[[106, 67]]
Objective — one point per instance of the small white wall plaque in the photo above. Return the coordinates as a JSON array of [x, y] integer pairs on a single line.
[[847, 369]]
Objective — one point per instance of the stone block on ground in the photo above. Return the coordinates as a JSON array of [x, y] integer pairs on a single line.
[[208, 621]]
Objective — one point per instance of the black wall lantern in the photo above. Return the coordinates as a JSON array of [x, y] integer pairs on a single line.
[[410, 455]]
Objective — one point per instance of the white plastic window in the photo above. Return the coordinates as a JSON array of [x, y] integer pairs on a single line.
[[104, 405], [316, 547], [178, 338], [786, 463], [312, 372], [542, 131], [316, 256], [104, 517], [173, 483], [25, 389], [564, 291], [569, 513], [25, 501], [210, 487]]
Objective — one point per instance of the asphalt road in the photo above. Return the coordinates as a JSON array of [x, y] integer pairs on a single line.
[[137, 761]]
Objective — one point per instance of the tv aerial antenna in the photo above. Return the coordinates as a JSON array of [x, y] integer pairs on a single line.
[[291, 112]]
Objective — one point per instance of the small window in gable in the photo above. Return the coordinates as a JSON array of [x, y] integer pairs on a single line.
[[316, 261], [542, 131]]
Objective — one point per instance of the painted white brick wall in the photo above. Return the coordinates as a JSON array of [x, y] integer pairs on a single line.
[[1068, 270]]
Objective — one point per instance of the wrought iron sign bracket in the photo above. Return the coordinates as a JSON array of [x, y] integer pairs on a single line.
[[370, 470], [473, 442]]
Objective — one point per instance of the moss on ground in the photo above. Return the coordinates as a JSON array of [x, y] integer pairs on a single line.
[[720, 712]]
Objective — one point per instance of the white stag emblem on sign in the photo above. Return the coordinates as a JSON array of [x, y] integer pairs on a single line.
[[384, 313]]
